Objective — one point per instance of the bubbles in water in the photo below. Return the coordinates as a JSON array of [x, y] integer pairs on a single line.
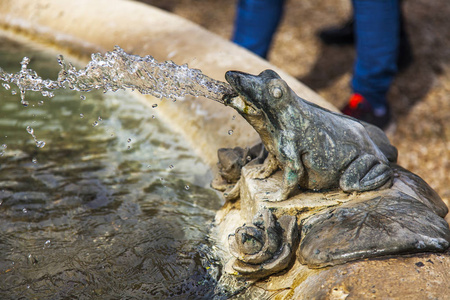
[[34, 160], [95, 124], [230, 132], [13, 92], [30, 130], [24, 210], [83, 97], [99, 118], [82, 116], [4, 146], [47, 242], [186, 187], [155, 105], [233, 118], [129, 140], [249, 158], [41, 102], [6, 86], [171, 167], [153, 117]]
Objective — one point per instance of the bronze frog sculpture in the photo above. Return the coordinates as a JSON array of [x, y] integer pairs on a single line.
[[317, 149]]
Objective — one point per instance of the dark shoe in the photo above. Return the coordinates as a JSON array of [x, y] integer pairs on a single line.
[[341, 35], [405, 54], [359, 108]]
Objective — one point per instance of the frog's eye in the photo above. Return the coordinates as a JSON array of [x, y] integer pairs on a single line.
[[277, 92]]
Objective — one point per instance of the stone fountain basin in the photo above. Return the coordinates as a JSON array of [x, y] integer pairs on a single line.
[[80, 27]]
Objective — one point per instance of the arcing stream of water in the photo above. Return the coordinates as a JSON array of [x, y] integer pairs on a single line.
[[118, 70]]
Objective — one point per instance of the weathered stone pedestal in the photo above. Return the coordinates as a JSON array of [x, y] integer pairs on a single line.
[[371, 245]]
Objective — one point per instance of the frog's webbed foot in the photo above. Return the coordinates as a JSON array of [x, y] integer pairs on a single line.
[[263, 171], [365, 173]]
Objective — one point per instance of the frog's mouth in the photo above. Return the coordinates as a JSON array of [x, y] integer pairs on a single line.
[[239, 100]]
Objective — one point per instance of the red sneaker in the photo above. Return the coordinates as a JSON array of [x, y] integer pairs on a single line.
[[359, 108]]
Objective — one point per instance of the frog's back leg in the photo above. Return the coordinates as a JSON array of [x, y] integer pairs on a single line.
[[381, 140], [365, 173]]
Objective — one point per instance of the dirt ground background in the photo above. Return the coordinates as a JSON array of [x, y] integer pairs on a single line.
[[419, 97]]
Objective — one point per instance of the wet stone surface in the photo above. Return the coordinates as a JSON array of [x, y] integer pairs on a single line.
[[389, 224]]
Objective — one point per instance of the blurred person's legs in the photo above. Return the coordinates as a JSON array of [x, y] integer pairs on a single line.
[[255, 24], [377, 40], [344, 35]]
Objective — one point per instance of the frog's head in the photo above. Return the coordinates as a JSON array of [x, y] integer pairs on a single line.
[[256, 94]]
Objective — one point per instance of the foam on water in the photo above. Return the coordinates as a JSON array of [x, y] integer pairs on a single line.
[[119, 70]]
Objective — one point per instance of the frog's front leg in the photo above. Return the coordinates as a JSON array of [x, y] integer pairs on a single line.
[[365, 173], [289, 183], [263, 171]]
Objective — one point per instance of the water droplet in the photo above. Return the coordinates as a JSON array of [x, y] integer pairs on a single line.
[[24, 210], [25, 103], [155, 105], [186, 187], [13, 92], [47, 242], [6, 86], [129, 140], [171, 167], [25, 61], [129, 147], [34, 160], [81, 116], [95, 124], [83, 97], [40, 144], [30, 130], [41, 102], [230, 132], [153, 116], [99, 118]]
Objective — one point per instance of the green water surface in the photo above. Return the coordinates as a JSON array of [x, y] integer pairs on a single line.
[[114, 206]]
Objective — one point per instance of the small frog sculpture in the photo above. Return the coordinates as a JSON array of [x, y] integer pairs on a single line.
[[317, 149]]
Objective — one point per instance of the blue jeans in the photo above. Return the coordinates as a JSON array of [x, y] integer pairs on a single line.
[[255, 24], [377, 39]]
